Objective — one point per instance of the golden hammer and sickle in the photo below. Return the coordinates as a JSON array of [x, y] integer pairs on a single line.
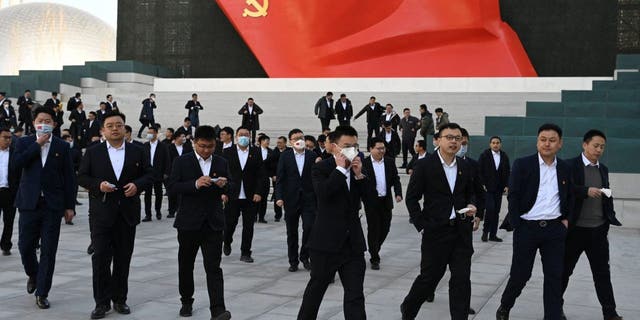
[[261, 9]]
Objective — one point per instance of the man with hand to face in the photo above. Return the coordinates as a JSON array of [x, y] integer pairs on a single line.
[[446, 223], [47, 192], [115, 173]]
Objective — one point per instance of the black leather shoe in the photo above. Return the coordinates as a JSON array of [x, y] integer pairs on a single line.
[[375, 266], [484, 237], [403, 311], [293, 268], [146, 219], [613, 318], [246, 259], [502, 313], [262, 221], [186, 310], [121, 308], [90, 249], [69, 223], [306, 264], [431, 297], [495, 239], [78, 203], [6, 252], [472, 311], [226, 249], [99, 312], [42, 303], [223, 316], [31, 285], [158, 216], [276, 220], [171, 215]]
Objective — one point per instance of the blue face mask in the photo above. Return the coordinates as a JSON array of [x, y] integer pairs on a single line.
[[462, 151], [243, 141]]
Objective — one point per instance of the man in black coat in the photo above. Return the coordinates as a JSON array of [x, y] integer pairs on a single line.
[[91, 129], [77, 118], [176, 149], [246, 174], [374, 113], [8, 117], [74, 101], [25, 112], [324, 110], [250, 118], [111, 105], [391, 140], [115, 173], [540, 204], [158, 154], [281, 146], [589, 224], [344, 110], [59, 117], [187, 129], [202, 180], [409, 126], [194, 108], [9, 180], [53, 101], [146, 113], [337, 242], [494, 174], [383, 176], [270, 173], [294, 192], [421, 152]]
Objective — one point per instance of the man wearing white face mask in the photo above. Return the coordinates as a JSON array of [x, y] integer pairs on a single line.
[[294, 192], [159, 159], [246, 175], [8, 115]]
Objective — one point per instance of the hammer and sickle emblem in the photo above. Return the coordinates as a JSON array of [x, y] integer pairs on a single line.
[[261, 9]]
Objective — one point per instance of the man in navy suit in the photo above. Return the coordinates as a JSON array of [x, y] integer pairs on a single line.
[[294, 192], [540, 203], [337, 242], [47, 192], [202, 180], [589, 225], [115, 173]]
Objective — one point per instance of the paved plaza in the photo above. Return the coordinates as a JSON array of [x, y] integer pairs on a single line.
[[266, 290]]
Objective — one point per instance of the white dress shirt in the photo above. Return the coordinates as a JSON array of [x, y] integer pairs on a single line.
[[116, 157], [381, 179], [205, 164], [179, 148], [4, 168], [587, 162], [227, 145], [154, 146], [547, 205], [496, 158], [387, 137], [242, 156], [347, 173], [44, 150], [451, 171], [265, 153], [420, 156], [388, 116], [300, 160], [250, 110]]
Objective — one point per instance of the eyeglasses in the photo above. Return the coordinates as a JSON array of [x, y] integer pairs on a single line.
[[114, 126], [452, 137]]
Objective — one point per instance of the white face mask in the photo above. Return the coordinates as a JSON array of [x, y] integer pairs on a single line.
[[351, 153], [43, 128], [299, 145], [150, 136]]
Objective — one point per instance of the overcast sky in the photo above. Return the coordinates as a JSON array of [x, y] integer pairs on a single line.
[[106, 10]]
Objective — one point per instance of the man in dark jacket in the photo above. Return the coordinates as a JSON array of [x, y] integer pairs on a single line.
[[409, 126], [25, 112], [374, 113], [324, 110], [158, 153], [250, 118], [494, 174], [391, 140], [194, 108], [146, 113], [344, 110]]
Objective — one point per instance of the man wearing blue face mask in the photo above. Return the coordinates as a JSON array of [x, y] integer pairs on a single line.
[[47, 192], [246, 175]]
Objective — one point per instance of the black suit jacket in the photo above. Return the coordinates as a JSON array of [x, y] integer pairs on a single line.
[[72, 104], [77, 118], [112, 106], [429, 183], [14, 174], [391, 178], [198, 206], [161, 162], [187, 132], [395, 146], [324, 109], [10, 119], [51, 103], [96, 167], [100, 115], [373, 116], [90, 130], [337, 222], [342, 113], [291, 187], [59, 118], [252, 176], [524, 182], [492, 179], [24, 112], [173, 152], [250, 121], [193, 107], [580, 191]]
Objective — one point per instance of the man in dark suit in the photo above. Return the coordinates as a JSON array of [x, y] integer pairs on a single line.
[[25, 114], [187, 129], [383, 176], [226, 140], [391, 140], [324, 110], [202, 180], [344, 110], [421, 152], [91, 128], [8, 117], [47, 192], [53, 101], [102, 112], [589, 224], [337, 242], [115, 173], [59, 119], [176, 149], [77, 118], [250, 118], [9, 179], [111, 105], [74, 101], [281, 146], [321, 149], [128, 136], [247, 173], [270, 173], [374, 113], [160, 163], [194, 108], [446, 221], [409, 126], [494, 175], [540, 203], [294, 192], [146, 113], [391, 116]]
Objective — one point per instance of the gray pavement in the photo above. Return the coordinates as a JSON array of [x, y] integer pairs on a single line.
[[266, 290]]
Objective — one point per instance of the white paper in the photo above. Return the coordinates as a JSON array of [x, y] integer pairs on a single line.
[[464, 210], [606, 192]]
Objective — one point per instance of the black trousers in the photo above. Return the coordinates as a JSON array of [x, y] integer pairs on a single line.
[[528, 237], [28, 126], [449, 245], [407, 147], [350, 266], [210, 243], [234, 209], [112, 244], [145, 125], [40, 224], [157, 190], [593, 242], [372, 131], [493, 202], [378, 225], [292, 219], [344, 122], [261, 206], [8, 212], [324, 123]]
